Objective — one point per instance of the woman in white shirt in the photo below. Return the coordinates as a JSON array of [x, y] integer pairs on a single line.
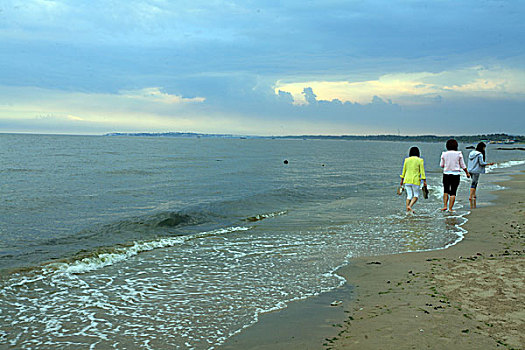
[[452, 163]]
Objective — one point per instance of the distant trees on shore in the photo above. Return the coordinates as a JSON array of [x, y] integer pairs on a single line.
[[497, 138]]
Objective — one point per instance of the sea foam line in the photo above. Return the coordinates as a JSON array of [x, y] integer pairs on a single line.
[[266, 216], [119, 254], [504, 165], [283, 304]]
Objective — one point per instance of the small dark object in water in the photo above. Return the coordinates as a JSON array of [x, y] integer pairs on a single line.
[[285, 161], [374, 263]]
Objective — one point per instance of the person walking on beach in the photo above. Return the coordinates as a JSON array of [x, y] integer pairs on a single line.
[[452, 163], [413, 173], [476, 167]]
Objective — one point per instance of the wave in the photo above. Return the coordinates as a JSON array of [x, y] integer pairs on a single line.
[[157, 222], [174, 219], [260, 217], [20, 170], [504, 165], [129, 230], [113, 236], [435, 191], [168, 222], [102, 257], [130, 172]]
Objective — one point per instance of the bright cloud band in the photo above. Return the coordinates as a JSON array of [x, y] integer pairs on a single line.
[[414, 88]]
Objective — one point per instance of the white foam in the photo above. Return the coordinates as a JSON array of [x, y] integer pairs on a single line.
[[269, 215], [435, 191], [120, 254], [504, 165], [283, 304]]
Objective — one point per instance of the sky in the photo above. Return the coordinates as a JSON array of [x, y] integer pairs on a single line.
[[263, 67]]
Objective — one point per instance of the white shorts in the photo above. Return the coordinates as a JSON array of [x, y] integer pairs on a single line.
[[412, 191]]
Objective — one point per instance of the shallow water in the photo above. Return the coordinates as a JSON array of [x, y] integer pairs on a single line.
[[180, 243]]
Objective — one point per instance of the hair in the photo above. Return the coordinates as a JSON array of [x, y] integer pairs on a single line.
[[452, 145], [481, 149], [414, 151]]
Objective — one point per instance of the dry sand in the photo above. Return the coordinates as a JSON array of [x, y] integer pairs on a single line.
[[469, 296]]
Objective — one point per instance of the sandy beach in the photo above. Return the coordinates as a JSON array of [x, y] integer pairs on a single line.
[[469, 296]]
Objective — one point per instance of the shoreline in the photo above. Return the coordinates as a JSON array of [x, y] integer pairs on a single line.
[[468, 296], [464, 296], [302, 325]]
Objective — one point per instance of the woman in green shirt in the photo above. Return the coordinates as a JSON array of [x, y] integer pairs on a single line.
[[413, 173]]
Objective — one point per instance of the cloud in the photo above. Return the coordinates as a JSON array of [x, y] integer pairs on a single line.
[[73, 117], [309, 96], [151, 97], [268, 66], [285, 96], [57, 118], [254, 113], [155, 94], [414, 88], [143, 108]]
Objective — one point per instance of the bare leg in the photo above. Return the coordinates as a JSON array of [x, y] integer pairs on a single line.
[[412, 202], [408, 205], [445, 201], [451, 203], [472, 198]]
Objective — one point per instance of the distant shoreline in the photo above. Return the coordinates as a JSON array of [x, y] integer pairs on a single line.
[[488, 138], [499, 139]]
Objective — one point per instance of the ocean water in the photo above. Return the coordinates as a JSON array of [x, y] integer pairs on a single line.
[[129, 242]]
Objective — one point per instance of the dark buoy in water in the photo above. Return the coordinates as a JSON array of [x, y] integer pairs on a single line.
[[285, 161]]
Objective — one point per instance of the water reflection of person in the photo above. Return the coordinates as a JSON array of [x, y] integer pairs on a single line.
[[413, 173]]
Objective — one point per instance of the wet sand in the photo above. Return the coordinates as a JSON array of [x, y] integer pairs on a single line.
[[301, 325], [469, 296]]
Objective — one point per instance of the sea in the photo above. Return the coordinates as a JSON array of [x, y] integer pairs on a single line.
[[180, 243]]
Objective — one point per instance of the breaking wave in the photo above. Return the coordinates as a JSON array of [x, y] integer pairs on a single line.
[[103, 257], [504, 165], [260, 217]]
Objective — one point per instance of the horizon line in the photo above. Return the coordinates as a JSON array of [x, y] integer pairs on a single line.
[[117, 133]]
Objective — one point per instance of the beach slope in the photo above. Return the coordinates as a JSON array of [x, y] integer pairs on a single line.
[[469, 296]]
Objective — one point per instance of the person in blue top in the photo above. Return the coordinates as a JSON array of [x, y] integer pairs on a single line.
[[476, 166]]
